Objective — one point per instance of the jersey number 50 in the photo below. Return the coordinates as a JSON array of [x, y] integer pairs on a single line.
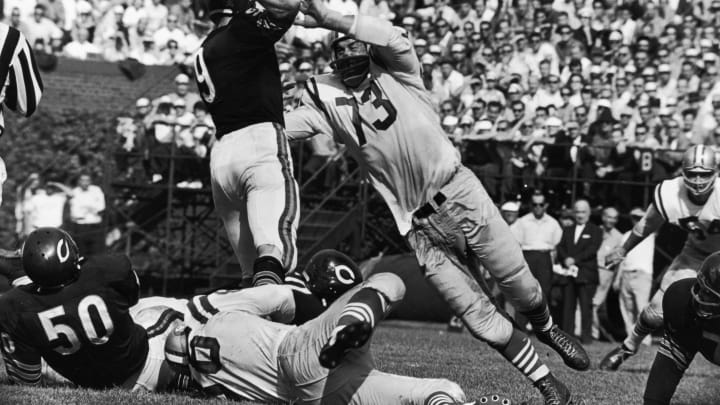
[[56, 330]]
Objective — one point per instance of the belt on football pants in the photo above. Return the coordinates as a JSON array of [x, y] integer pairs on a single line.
[[428, 209]]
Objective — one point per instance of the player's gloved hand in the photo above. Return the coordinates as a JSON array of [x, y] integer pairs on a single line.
[[313, 13], [615, 257]]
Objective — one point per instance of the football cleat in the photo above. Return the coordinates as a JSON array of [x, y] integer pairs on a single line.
[[493, 399], [553, 391], [343, 340], [571, 351], [615, 358]]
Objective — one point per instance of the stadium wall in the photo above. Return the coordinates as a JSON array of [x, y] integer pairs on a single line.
[[101, 86]]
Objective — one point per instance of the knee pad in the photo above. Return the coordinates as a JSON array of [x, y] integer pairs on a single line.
[[489, 326], [387, 284], [652, 316]]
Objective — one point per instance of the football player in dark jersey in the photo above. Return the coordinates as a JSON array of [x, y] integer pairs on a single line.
[[691, 311], [253, 187], [76, 316]]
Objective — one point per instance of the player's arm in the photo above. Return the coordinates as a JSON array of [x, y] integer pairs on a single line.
[[126, 281], [281, 9], [23, 364], [273, 301], [310, 118], [24, 85], [649, 223], [390, 44]]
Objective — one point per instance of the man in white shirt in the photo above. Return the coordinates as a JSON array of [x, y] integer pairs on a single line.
[[538, 234], [634, 279], [80, 47], [612, 238], [87, 204], [39, 27], [46, 209]]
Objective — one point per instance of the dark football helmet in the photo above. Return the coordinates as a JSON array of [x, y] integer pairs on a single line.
[[699, 170], [706, 290], [351, 60], [51, 258], [329, 274]]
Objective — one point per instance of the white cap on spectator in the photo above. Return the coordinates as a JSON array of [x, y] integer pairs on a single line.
[[648, 71], [118, 9], [510, 206], [328, 69], [83, 7], [630, 68], [420, 42], [514, 88], [435, 48], [637, 212], [457, 48], [671, 101], [165, 100], [692, 52], [450, 121], [651, 86], [466, 120], [179, 102], [491, 75], [627, 111], [664, 68], [585, 12], [427, 59], [596, 70], [705, 43], [305, 66], [142, 102], [284, 67], [709, 56], [483, 125], [615, 36], [182, 78], [408, 20], [664, 111], [554, 122], [603, 102]]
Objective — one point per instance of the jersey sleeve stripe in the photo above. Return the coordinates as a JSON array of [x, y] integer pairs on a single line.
[[195, 312], [207, 306], [672, 350], [658, 203], [164, 322], [8, 51]]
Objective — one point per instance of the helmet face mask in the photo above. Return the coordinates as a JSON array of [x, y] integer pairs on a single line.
[[699, 170], [706, 301], [176, 349], [351, 60], [51, 258]]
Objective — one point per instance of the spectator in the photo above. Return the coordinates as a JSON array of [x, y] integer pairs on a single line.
[[182, 90], [634, 278], [39, 27], [185, 14], [170, 31], [538, 234], [611, 239], [87, 205], [45, 207], [80, 47], [156, 14], [577, 253], [15, 20], [24, 193]]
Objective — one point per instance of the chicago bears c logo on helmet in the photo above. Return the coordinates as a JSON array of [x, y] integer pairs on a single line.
[[63, 250], [344, 274]]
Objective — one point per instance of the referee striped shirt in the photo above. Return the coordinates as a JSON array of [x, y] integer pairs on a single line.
[[21, 83]]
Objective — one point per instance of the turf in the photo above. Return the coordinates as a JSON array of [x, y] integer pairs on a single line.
[[430, 351]]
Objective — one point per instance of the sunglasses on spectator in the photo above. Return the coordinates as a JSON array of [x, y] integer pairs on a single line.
[[538, 204]]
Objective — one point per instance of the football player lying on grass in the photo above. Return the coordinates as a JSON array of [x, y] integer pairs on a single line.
[[240, 355], [691, 311]]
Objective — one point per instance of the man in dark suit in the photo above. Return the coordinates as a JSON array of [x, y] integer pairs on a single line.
[[577, 253]]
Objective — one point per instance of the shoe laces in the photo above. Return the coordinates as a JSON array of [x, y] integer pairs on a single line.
[[549, 391], [563, 341]]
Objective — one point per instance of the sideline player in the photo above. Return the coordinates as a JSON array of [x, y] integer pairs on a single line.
[[376, 104], [21, 86], [692, 202], [253, 188], [76, 316], [691, 311], [239, 355]]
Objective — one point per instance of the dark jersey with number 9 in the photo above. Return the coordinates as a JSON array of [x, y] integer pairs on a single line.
[[83, 331], [237, 72]]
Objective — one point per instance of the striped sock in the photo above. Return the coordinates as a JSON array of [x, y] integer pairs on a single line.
[[367, 305], [642, 329], [521, 353], [439, 398], [540, 318], [267, 270]]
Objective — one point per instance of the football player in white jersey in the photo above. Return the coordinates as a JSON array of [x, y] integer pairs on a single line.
[[240, 355], [692, 202], [377, 105]]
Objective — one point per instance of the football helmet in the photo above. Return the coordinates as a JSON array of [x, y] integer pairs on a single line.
[[706, 290], [351, 60], [699, 170], [51, 258], [220, 8], [329, 274], [176, 349]]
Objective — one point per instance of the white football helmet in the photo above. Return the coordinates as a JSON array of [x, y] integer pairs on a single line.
[[699, 170]]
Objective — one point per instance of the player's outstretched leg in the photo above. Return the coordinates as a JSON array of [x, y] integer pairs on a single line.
[[571, 351], [355, 325]]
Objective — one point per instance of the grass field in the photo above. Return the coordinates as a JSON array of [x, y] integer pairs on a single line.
[[429, 351]]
